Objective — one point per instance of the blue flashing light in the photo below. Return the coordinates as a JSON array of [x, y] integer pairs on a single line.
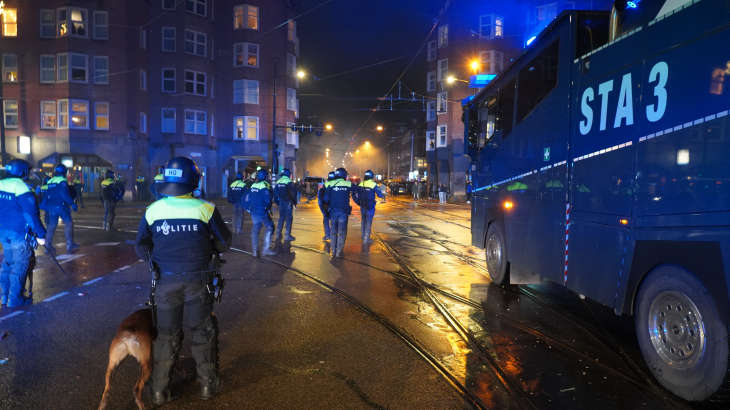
[[630, 5], [480, 80], [467, 100], [531, 40]]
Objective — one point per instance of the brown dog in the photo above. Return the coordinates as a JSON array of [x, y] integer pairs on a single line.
[[135, 337]]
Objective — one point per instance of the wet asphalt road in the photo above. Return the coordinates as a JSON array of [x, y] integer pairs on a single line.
[[409, 322]]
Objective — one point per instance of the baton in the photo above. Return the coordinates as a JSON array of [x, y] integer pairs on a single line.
[[50, 253]]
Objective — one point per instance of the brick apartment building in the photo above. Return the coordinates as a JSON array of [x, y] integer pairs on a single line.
[[128, 84], [475, 38]]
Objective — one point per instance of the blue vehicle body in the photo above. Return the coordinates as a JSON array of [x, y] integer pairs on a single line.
[[623, 165]]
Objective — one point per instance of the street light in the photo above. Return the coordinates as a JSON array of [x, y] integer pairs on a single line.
[[300, 74], [379, 128], [475, 65]]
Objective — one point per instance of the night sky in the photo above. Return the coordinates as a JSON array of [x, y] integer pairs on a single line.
[[342, 44]]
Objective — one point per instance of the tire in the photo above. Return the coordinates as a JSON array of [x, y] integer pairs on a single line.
[[495, 249], [680, 334]]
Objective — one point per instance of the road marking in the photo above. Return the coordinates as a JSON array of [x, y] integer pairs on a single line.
[[56, 296], [123, 268], [107, 244], [66, 258], [10, 315], [93, 280]]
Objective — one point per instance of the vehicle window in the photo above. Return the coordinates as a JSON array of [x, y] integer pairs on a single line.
[[592, 34], [506, 108], [537, 79], [487, 120]]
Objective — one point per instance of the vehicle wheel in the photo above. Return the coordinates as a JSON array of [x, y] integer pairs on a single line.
[[680, 334], [496, 252]]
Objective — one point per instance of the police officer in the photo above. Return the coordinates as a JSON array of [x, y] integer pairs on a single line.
[[79, 187], [110, 195], [156, 183], [141, 185], [258, 202], [338, 197], [181, 234], [235, 197], [324, 207], [285, 195], [60, 204], [366, 199], [42, 194], [18, 212]]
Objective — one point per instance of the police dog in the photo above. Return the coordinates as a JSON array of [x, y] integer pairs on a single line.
[[135, 337]]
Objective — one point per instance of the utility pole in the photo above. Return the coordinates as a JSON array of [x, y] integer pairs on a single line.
[[274, 156], [3, 154]]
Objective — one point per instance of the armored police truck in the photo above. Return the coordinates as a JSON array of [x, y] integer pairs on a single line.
[[601, 161]]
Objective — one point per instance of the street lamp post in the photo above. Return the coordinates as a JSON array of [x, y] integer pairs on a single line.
[[274, 156]]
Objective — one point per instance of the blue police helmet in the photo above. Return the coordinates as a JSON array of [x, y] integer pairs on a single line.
[[286, 172], [262, 175], [18, 168], [181, 177], [341, 173], [331, 176], [60, 170], [369, 174], [239, 175], [109, 173]]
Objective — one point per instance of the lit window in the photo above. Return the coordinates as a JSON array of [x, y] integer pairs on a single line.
[[443, 70], [101, 70], [48, 115], [168, 39], [79, 68], [10, 113], [79, 114], [245, 55], [195, 43], [10, 23], [62, 67], [291, 65], [246, 128], [490, 62], [431, 81], [101, 116], [430, 140], [491, 26], [101, 25], [10, 68], [291, 99], [441, 136], [168, 120], [431, 111], [441, 103], [168, 80], [71, 20], [195, 83], [62, 113], [48, 23], [443, 36], [23, 145], [196, 122], [143, 80], [196, 6], [246, 16], [169, 4], [431, 50], [292, 30], [143, 123]]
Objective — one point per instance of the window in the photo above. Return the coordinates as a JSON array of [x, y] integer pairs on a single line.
[[292, 30], [168, 39], [101, 25], [430, 140], [48, 69], [431, 81], [490, 61], [79, 114], [291, 65], [537, 79], [196, 6], [143, 80], [10, 23], [491, 26], [101, 70], [245, 55], [246, 16], [245, 91], [195, 43], [10, 113], [143, 39], [506, 108], [101, 116], [143, 123], [79, 68], [441, 140], [62, 113], [71, 20], [291, 136], [10, 68], [291, 99], [48, 23], [443, 36], [545, 14], [168, 80], [246, 128], [195, 83], [442, 105], [62, 67], [48, 115], [169, 4], [443, 70], [196, 122], [168, 120], [421, 162], [431, 50], [431, 111]]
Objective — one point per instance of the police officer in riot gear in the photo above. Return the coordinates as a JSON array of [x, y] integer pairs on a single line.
[[59, 205], [159, 179], [110, 195], [366, 199], [324, 207], [42, 194], [181, 234], [18, 212], [338, 197], [285, 195], [258, 202], [235, 197]]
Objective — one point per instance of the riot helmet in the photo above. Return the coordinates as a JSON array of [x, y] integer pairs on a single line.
[[341, 173], [181, 177], [239, 176], [262, 175], [286, 172], [60, 170], [18, 168], [331, 176], [109, 174], [369, 175], [161, 170]]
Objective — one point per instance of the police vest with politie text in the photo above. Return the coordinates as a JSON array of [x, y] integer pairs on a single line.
[[285, 190], [367, 194], [111, 190], [236, 191], [60, 195], [259, 198], [15, 201]]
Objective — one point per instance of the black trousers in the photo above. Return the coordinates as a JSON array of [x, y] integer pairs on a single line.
[[174, 294], [109, 212]]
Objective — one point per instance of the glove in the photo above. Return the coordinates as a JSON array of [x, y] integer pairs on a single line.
[[74, 207], [41, 241]]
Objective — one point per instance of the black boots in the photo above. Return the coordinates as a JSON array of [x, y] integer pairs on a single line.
[[209, 387]]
